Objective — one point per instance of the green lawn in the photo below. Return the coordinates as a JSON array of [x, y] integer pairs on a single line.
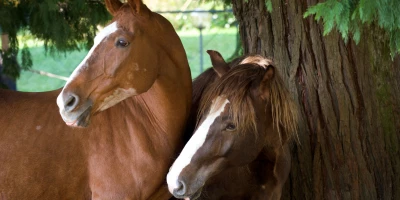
[[222, 40]]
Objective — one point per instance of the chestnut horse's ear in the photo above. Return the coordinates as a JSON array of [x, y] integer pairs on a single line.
[[218, 62], [113, 6], [135, 5], [265, 85]]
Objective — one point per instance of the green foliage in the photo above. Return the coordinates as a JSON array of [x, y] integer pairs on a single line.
[[62, 24], [349, 15], [26, 58], [11, 20], [10, 64], [268, 5], [187, 21], [66, 23], [3, 86], [336, 13]]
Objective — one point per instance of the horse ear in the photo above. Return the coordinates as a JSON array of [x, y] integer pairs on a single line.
[[113, 6], [265, 84], [218, 62], [135, 5]]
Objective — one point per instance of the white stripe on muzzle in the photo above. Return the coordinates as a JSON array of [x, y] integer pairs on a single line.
[[195, 142]]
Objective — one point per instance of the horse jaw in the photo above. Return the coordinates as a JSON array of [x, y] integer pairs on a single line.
[[117, 96]]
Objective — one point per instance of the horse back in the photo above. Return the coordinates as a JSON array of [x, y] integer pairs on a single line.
[[41, 158]]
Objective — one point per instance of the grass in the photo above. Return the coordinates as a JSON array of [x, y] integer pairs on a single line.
[[222, 40]]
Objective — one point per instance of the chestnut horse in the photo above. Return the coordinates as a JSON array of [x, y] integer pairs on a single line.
[[132, 91], [240, 148]]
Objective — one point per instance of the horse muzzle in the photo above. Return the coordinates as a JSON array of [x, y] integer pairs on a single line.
[[74, 112], [182, 190]]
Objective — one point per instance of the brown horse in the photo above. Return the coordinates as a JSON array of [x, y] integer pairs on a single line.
[[133, 87], [240, 149]]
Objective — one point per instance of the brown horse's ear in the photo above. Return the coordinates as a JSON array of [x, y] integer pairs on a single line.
[[113, 6], [135, 5], [265, 85], [218, 62]]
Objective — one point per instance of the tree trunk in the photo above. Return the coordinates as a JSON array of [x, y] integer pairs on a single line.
[[348, 96], [5, 43], [6, 81]]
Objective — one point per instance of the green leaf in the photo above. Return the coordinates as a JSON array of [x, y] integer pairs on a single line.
[[348, 15], [10, 64], [26, 58], [268, 5]]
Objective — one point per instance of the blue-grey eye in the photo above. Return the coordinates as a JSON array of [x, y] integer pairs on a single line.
[[122, 43]]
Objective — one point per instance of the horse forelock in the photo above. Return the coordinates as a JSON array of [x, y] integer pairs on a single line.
[[258, 60], [284, 111], [236, 86]]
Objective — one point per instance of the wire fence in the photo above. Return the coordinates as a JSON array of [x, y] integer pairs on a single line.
[[223, 41]]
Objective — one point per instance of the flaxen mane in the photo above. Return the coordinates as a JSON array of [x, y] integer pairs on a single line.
[[236, 85]]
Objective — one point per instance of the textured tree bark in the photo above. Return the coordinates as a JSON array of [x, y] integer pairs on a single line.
[[348, 95]]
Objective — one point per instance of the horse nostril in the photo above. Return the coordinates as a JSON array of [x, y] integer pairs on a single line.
[[71, 102], [181, 189]]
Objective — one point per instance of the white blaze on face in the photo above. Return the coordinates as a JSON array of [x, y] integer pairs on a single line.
[[108, 30], [97, 40], [195, 142]]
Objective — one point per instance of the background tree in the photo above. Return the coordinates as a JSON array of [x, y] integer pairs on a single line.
[[63, 25], [348, 91]]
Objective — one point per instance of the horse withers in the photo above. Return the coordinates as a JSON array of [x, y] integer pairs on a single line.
[[240, 148], [132, 92]]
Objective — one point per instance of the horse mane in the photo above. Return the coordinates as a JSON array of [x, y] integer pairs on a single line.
[[236, 85], [284, 111], [201, 82]]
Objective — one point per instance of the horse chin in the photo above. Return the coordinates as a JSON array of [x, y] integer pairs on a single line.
[[83, 120], [195, 196]]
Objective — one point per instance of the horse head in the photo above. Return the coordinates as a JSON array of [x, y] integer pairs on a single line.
[[236, 122], [123, 62]]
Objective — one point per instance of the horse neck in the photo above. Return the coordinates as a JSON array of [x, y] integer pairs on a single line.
[[172, 91], [144, 130], [164, 108], [174, 75]]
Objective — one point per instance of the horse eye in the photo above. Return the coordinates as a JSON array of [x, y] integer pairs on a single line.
[[230, 127], [121, 43]]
